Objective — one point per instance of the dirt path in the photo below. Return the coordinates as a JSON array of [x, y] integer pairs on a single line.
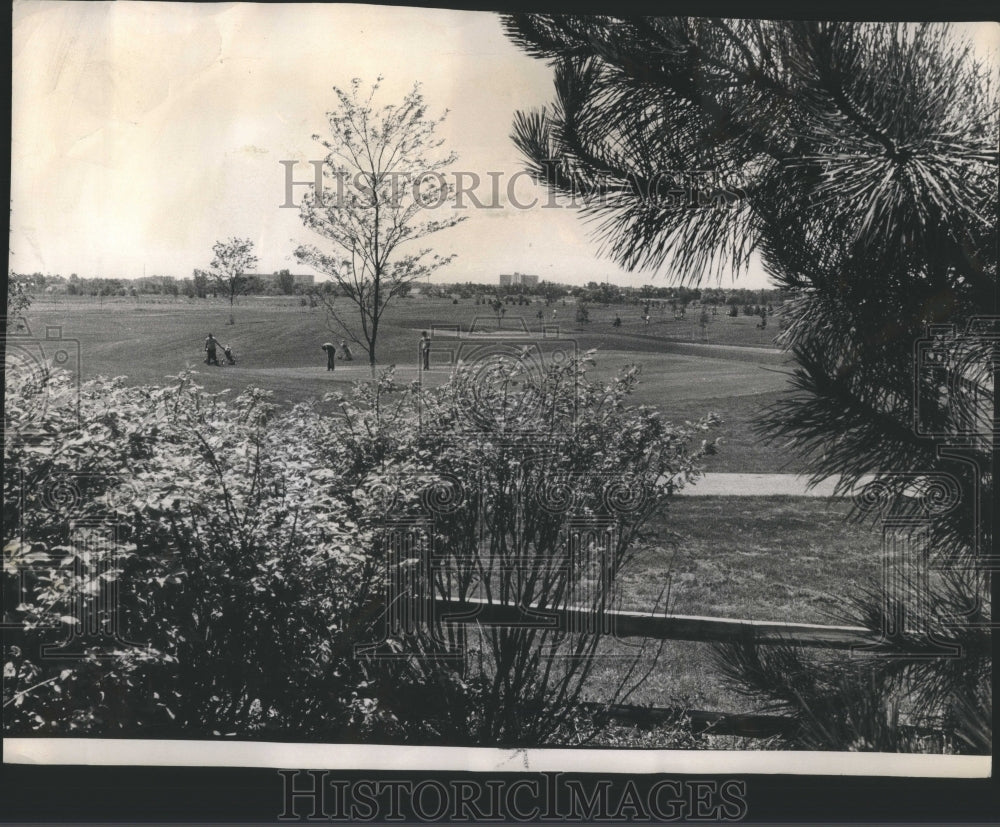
[[763, 485]]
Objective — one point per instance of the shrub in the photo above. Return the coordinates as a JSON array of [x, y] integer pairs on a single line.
[[530, 485], [241, 579]]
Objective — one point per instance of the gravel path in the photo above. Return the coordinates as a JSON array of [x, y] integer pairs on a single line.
[[761, 485]]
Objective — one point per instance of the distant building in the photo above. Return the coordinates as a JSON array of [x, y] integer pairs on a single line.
[[154, 284], [518, 280]]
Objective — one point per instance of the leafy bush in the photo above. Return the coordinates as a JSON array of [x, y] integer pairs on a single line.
[[241, 579]]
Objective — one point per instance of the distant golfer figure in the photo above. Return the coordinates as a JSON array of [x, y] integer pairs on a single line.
[[348, 356], [425, 350], [211, 355], [331, 355], [618, 321]]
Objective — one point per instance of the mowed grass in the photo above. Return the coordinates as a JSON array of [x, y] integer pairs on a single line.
[[720, 330], [792, 559], [277, 343]]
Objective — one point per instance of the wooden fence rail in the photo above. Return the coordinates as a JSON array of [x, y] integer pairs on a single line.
[[666, 627], [743, 725], [657, 626]]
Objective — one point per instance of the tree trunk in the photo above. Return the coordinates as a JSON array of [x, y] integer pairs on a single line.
[[371, 353], [374, 337]]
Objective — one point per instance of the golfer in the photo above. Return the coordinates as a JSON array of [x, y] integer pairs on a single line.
[[211, 356], [331, 355], [425, 350]]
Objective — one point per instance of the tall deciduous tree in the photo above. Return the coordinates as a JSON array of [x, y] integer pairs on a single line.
[[859, 161], [383, 189], [229, 269]]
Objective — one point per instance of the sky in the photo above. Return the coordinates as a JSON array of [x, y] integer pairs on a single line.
[[145, 132]]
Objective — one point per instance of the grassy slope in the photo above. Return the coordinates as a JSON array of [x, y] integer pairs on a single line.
[[150, 339]]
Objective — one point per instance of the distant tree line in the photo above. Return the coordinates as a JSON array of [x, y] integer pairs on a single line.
[[605, 293], [281, 282], [198, 286]]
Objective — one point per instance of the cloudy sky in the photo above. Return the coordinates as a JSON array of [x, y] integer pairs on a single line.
[[144, 132]]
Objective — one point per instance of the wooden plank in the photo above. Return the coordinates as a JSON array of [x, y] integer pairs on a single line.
[[743, 725], [657, 626]]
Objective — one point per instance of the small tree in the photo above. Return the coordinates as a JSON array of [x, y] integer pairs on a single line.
[[228, 271], [199, 283], [286, 282], [703, 320], [390, 155], [498, 308]]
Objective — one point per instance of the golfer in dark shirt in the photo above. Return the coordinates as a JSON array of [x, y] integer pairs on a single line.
[[210, 355], [331, 355]]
